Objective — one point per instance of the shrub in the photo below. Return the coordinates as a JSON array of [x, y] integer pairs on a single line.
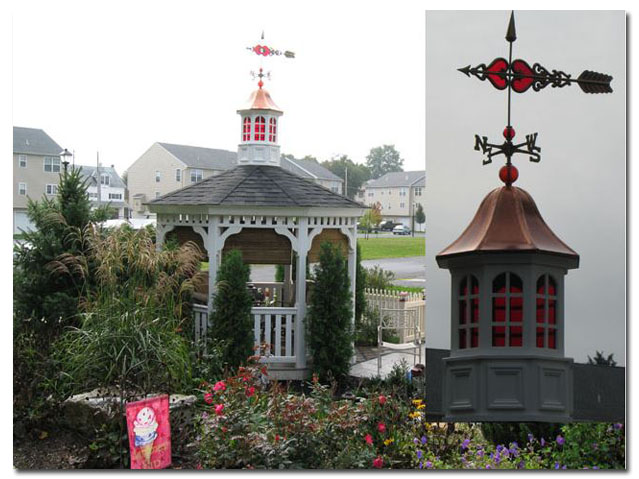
[[378, 278], [329, 319], [231, 316]]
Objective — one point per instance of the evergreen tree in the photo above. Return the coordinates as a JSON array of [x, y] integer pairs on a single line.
[[231, 316], [601, 360], [329, 327], [420, 217]]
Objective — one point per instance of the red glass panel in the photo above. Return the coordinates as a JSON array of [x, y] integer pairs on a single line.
[[540, 337], [552, 286], [540, 310], [552, 344], [515, 283], [521, 84], [499, 310], [499, 336], [516, 336], [516, 310], [462, 339], [495, 73], [474, 285], [551, 311], [463, 312], [474, 314], [463, 287], [499, 284], [541, 285], [474, 337]]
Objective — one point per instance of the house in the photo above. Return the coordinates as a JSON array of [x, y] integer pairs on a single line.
[[108, 187], [36, 170], [167, 167], [398, 193]]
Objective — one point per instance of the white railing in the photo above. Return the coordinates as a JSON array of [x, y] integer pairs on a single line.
[[201, 320], [383, 299], [272, 292], [274, 333]]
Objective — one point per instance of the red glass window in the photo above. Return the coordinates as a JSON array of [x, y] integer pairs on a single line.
[[546, 312], [507, 311], [260, 129], [272, 130], [246, 129], [468, 324]]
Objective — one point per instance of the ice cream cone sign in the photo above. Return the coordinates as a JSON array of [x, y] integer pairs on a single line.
[[149, 433]]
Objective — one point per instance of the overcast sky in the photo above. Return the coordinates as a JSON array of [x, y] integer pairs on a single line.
[[579, 185], [119, 76]]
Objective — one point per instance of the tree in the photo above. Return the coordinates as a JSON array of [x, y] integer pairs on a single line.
[[600, 360], [328, 322], [357, 174], [384, 159], [376, 213], [420, 217], [231, 316]]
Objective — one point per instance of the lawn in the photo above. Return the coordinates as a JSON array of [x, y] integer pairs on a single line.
[[376, 248]]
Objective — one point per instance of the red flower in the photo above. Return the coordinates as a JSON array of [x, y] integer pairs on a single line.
[[378, 462], [381, 427], [277, 437], [219, 386], [218, 409], [224, 429], [369, 439], [250, 391], [382, 400], [208, 398]]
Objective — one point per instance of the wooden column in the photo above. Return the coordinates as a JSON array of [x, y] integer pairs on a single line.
[[213, 250], [303, 246], [352, 275]]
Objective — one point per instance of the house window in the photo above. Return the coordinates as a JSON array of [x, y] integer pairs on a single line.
[[92, 196], [272, 130], [402, 205], [22, 189], [196, 175], [115, 196], [157, 176], [335, 189], [468, 313], [546, 330], [402, 192], [390, 191], [508, 313], [178, 175], [157, 194], [260, 128], [52, 189], [105, 179], [418, 191], [370, 194], [51, 164], [246, 129], [22, 161]]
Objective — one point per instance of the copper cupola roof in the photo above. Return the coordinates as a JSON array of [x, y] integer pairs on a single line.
[[260, 100], [508, 221]]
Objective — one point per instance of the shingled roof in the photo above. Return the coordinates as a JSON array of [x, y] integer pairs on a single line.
[[33, 141], [256, 185], [199, 157]]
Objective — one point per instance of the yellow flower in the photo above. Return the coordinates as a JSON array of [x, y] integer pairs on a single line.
[[417, 402], [421, 406], [388, 441], [414, 415]]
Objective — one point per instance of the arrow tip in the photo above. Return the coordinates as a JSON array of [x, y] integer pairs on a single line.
[[465, 70], [511, 35]]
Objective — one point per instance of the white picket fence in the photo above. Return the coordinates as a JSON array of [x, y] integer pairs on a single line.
[[384, 299]]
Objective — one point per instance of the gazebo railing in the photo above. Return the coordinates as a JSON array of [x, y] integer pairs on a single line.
[[201, 320], [274, 333]]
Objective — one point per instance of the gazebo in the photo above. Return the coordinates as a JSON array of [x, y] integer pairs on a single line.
[[273, 217]]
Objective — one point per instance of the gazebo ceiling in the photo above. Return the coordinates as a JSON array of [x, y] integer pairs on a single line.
[[255, 185]]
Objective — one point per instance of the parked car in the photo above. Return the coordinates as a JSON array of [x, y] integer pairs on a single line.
[[387, 225], [401, 230]]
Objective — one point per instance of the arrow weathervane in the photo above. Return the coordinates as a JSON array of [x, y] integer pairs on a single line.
[[265, 51], [519, 76]]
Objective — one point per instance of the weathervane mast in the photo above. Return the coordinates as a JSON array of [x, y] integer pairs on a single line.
[[265, 51], [519, 76]]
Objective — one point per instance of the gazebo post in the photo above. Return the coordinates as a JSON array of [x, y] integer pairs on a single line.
[[352, 275], [213, 250], [300, 294]]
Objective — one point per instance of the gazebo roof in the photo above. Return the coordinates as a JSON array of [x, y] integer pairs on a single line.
[[256, 185], [508, 221]]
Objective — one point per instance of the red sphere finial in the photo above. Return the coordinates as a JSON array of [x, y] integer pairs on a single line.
[[509, 133], [508, 174]]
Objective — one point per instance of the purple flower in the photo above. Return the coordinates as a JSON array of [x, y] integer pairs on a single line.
[[419, 454], [416, 441], [465, 444], [560, 440], [530, 437], [480, 453], [556, 465], [595, 445], [421, 465], [429, 465], [522, 464], [500, 448], [488, 466], [543, 442], [618, 426], [423, 439], [595, 467], [564, 467]]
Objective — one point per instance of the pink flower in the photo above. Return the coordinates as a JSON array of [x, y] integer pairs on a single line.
[[382, 400], [381, 427], [250, 391], [277, 437], [219, 386], [208, 398], [378, 462], [369, 439], [218, 409]]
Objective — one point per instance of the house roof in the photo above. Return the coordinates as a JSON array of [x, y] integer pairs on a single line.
[[508, 221], [33, 141], [309, 169], [90, 172], [198, 157], [399, 178], [256, 185]]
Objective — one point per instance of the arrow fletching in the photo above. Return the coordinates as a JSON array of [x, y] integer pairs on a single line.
[[593, 82]]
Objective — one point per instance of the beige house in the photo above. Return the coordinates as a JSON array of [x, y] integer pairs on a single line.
[[36, 170], [166, 167], [398, 194]]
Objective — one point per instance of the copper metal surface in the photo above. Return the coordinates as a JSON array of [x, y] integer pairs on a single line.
[[508, 220], [260, 100]]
